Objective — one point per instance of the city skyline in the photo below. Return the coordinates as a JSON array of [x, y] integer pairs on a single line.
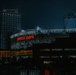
[[37, 37], [46, 14]]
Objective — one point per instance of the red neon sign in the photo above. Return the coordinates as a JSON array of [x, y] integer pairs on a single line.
[[29, 37], [20, 38]]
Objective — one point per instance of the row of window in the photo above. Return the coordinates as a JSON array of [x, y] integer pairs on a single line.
[[59, 49], [11, 14]]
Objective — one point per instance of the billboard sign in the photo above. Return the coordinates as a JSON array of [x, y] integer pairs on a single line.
[[28, 37]]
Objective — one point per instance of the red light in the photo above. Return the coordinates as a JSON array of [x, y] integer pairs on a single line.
[[20, 38], [46, 72], [29, 37]]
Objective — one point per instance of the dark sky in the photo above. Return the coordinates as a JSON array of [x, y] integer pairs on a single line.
[[43, 13]]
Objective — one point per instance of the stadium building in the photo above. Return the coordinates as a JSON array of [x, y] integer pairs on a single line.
[[51, 48], [27, 38], [53, 51]]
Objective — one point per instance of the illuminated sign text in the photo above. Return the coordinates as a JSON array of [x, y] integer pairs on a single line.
[[29, 37]]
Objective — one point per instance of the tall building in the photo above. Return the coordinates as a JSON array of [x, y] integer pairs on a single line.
[[10, 22]]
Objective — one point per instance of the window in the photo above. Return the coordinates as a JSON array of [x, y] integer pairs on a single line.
[[44, 56], [57, 49], [46, 62], [44, 49]]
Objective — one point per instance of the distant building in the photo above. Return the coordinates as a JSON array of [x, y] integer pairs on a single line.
[[10, 22]]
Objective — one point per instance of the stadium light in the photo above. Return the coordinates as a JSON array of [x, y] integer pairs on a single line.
[[38, 28], [22, 30]]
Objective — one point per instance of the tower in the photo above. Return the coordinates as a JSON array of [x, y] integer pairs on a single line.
[[10, 21]]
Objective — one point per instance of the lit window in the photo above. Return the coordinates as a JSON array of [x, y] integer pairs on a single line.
[[72, 56], [46, 62], [44, 56], [56, 49], [44, 49]]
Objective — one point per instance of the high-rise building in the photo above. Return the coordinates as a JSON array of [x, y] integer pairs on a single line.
[[10, 22]]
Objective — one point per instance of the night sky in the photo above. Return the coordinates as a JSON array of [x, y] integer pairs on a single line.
[[43, 13]]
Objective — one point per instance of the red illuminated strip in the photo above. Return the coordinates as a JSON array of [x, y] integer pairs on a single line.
[[29, 37], [20, 38]]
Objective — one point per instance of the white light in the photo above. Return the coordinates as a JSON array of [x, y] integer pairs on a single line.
[[22, 30], [38, 28]]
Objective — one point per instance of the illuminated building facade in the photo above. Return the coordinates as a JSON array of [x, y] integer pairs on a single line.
[[11, 53], [27, 38], [10, 23]]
